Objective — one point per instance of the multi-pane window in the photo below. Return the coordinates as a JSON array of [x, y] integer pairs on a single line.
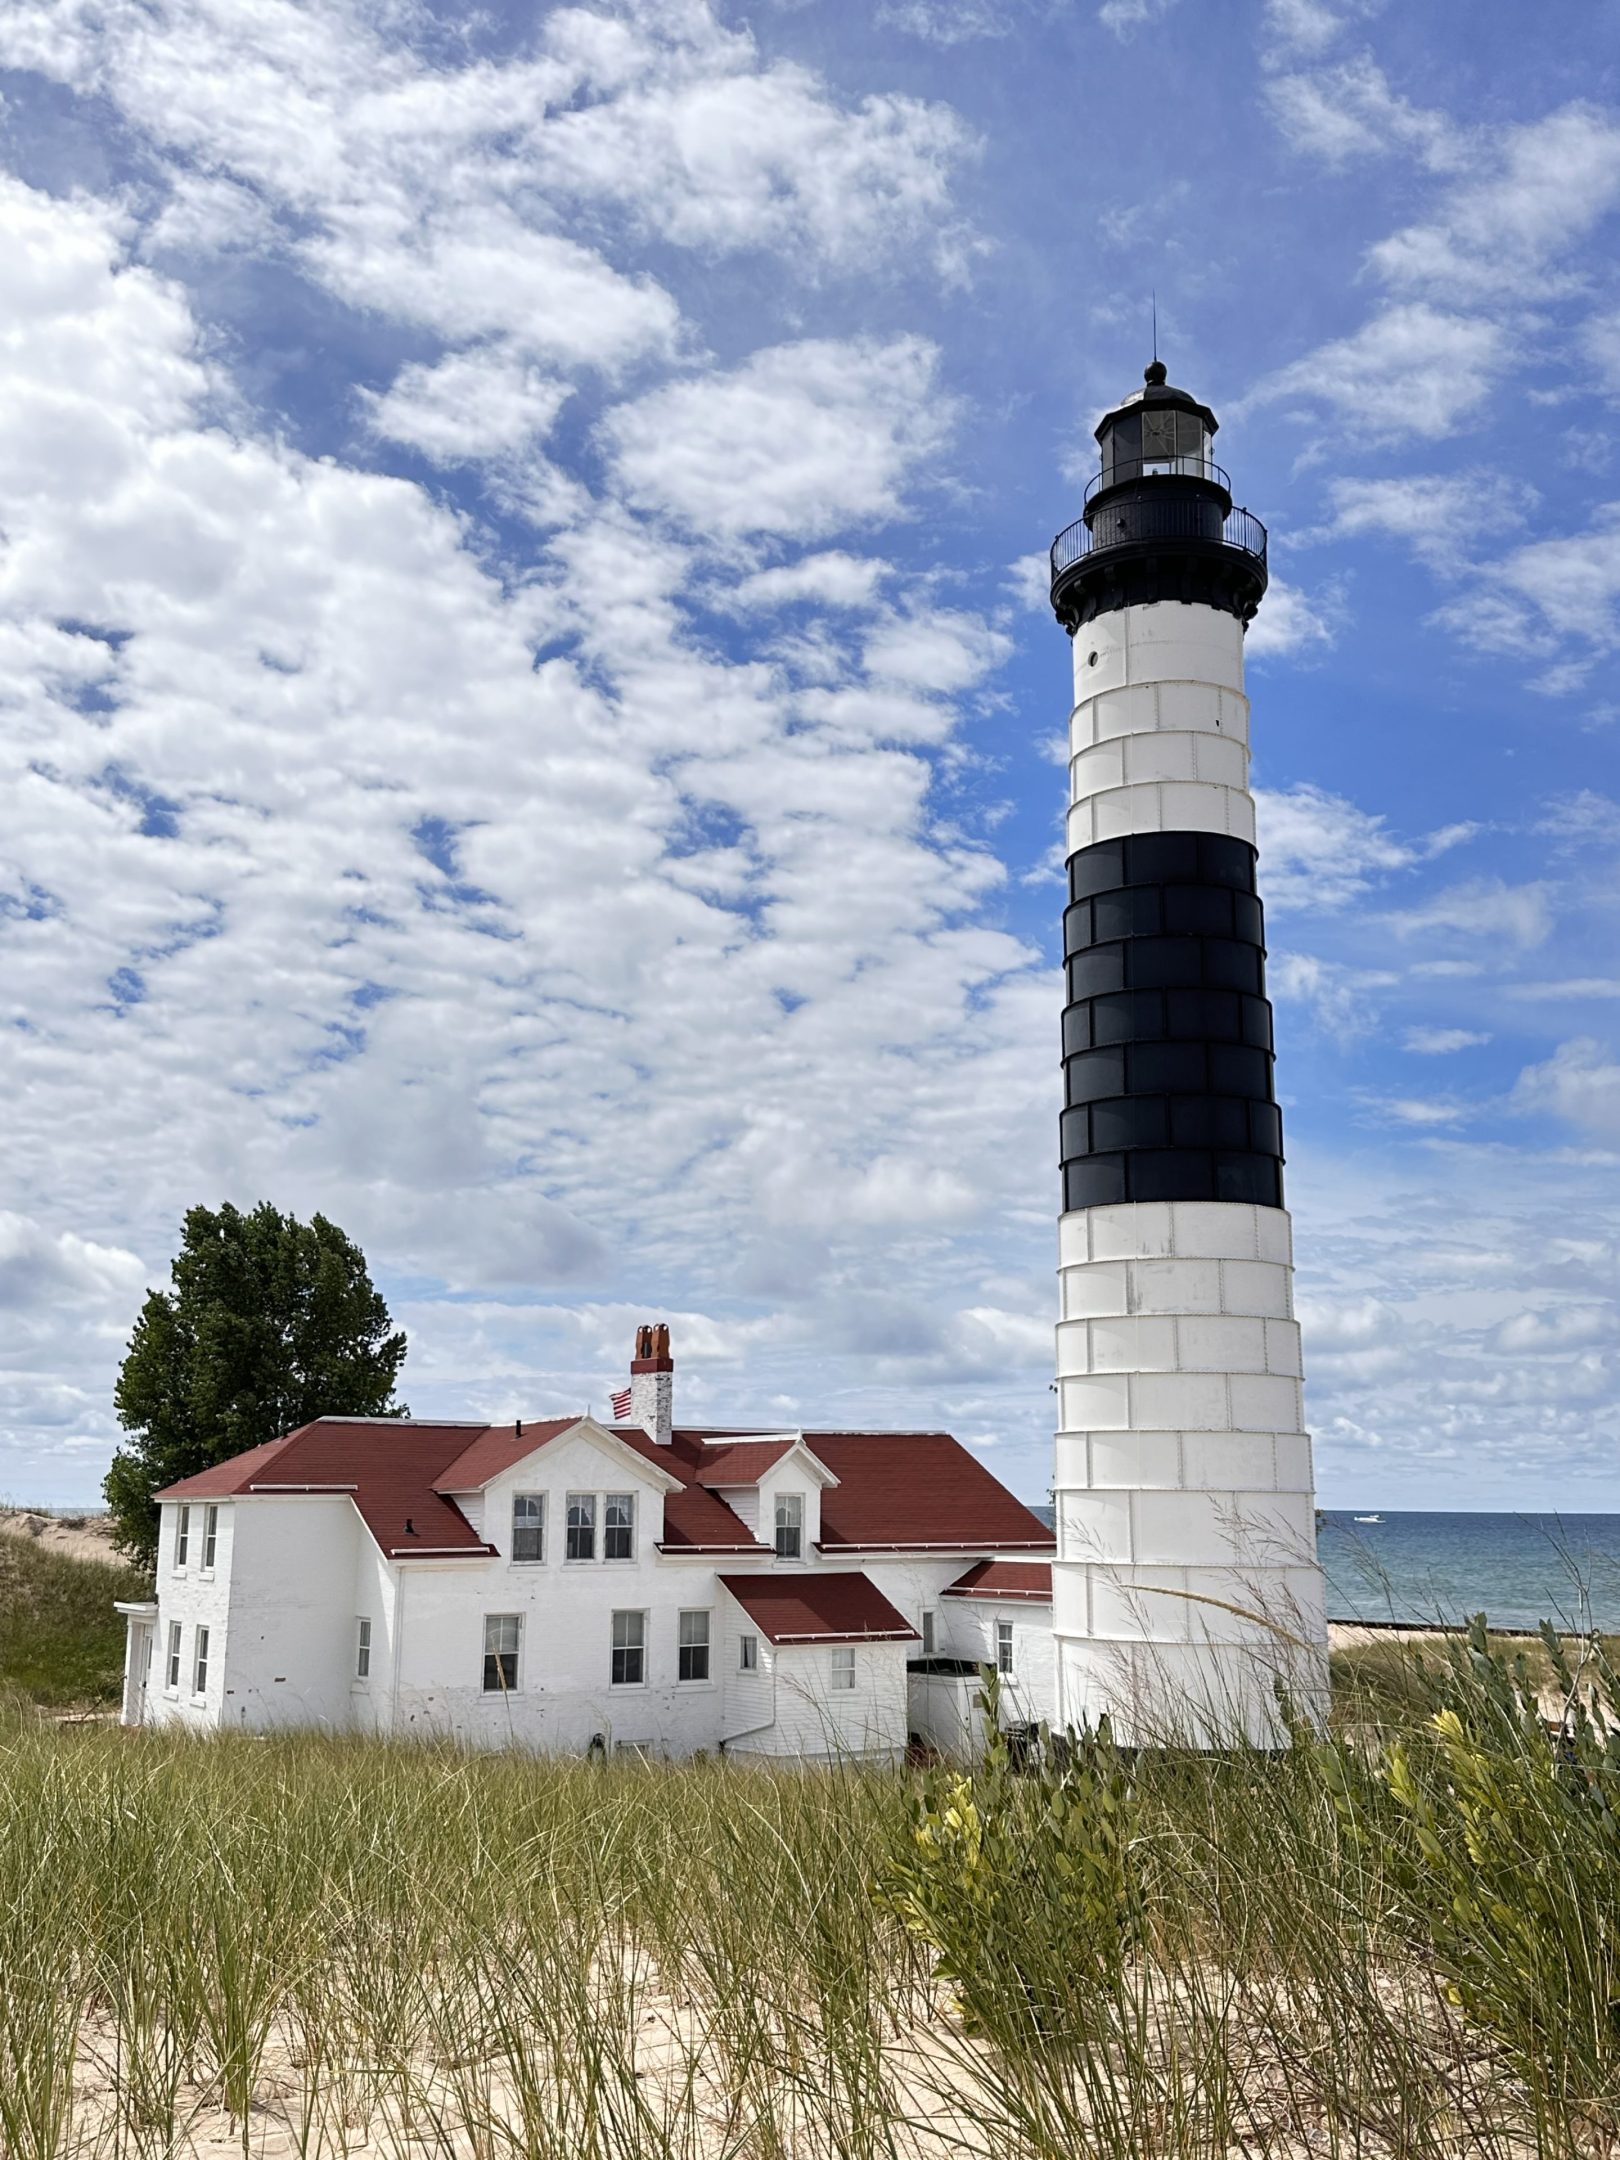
[[199, 1664], [210, 1535], [362, 1649], [789, 1526], [843, 1667], [173, 1675], [619, 1526], [748, 1653], [182, 1537], [927, 1634], [503, 1636], [629, 1667], [528, 1526], [581, 1526], [1004, 1646], [694, 1646]]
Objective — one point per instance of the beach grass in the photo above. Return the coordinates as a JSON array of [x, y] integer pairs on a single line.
[[1400, 1936], [61, 1643]]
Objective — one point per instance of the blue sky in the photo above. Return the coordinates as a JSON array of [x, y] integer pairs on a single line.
[[530, 721]]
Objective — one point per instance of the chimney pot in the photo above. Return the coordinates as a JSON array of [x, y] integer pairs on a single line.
[[652, 1383]]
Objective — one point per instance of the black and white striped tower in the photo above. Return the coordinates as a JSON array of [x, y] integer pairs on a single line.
[[1186, 1578]]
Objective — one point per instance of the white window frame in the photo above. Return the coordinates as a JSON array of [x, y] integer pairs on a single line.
[[503, 1686], [199, 1664], [210, 1549], [1004, 1648], [182, 1538], [929, 1632], [789, 1523], [586, 1503], [171, 1668], [843, 1668], [537, 1502], [748, 1653], [626, 1501], [627, 1648], [362, 1647], [705, 1678]]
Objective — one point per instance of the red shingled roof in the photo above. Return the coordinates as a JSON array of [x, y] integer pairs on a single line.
[[496, 1449], [695, 1519], [818, 1607], [904, 1491], [388, 1465], [742, 1462], [1030, 1580], [896, 1491]]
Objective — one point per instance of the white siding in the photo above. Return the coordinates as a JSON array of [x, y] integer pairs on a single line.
[[813, 1721]]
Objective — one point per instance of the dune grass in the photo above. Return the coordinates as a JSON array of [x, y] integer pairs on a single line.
[[61, 1643], [1400, 1937]]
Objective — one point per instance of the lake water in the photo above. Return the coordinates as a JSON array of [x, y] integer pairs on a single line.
[[1516, 1569], [1425, 1567]]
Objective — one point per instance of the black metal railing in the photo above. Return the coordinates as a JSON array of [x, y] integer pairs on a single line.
[[1125, 470], [1149, 516]]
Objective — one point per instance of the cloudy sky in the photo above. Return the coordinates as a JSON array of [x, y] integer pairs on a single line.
[[530, 723]]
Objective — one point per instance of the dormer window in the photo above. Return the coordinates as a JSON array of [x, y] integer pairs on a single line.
[[790, 1526]]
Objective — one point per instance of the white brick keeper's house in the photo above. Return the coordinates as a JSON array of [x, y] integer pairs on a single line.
[[572, 1585]]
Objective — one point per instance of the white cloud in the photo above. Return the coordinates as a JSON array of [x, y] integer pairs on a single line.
[[1412, 370], [1343, 1001], [1600, 338], [1319, 851], [1442, 517], [1125, 17], [1442, 1042], [325, 888], [1579, 1083], [1482, 907], [1306, 26], [941, 649], [1349, 111], [829, 579], [948, 22], [1567, 1327], [486, 401], [1289, 623], [804, 439], [1572, 988], [430, 192], [1584, 815], [1543, 187], [1419, 1110]]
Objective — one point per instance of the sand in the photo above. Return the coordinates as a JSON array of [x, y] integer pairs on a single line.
[[80, 1537]]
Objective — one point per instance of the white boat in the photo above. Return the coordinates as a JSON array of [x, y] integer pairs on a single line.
[[1366, 1518]]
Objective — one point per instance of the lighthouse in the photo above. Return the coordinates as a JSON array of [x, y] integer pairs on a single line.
[[1187, 1600]]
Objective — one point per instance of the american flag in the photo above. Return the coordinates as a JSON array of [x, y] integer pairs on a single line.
[[620, 1399]]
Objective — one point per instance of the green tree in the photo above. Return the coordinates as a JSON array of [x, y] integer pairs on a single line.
[[271, 1322]]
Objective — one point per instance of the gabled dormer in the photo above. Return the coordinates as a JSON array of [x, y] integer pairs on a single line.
[[566, 1492], [773, 1483]]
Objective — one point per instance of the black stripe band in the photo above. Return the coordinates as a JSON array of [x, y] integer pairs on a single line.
[[1167, 1052]]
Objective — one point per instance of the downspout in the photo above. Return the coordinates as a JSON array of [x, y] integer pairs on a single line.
[[398, 1648], [749, 1731]]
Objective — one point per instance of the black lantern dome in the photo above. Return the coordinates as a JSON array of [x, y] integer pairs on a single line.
[[1159, 522]]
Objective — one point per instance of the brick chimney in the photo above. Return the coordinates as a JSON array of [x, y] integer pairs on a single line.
[[652, 1384]]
